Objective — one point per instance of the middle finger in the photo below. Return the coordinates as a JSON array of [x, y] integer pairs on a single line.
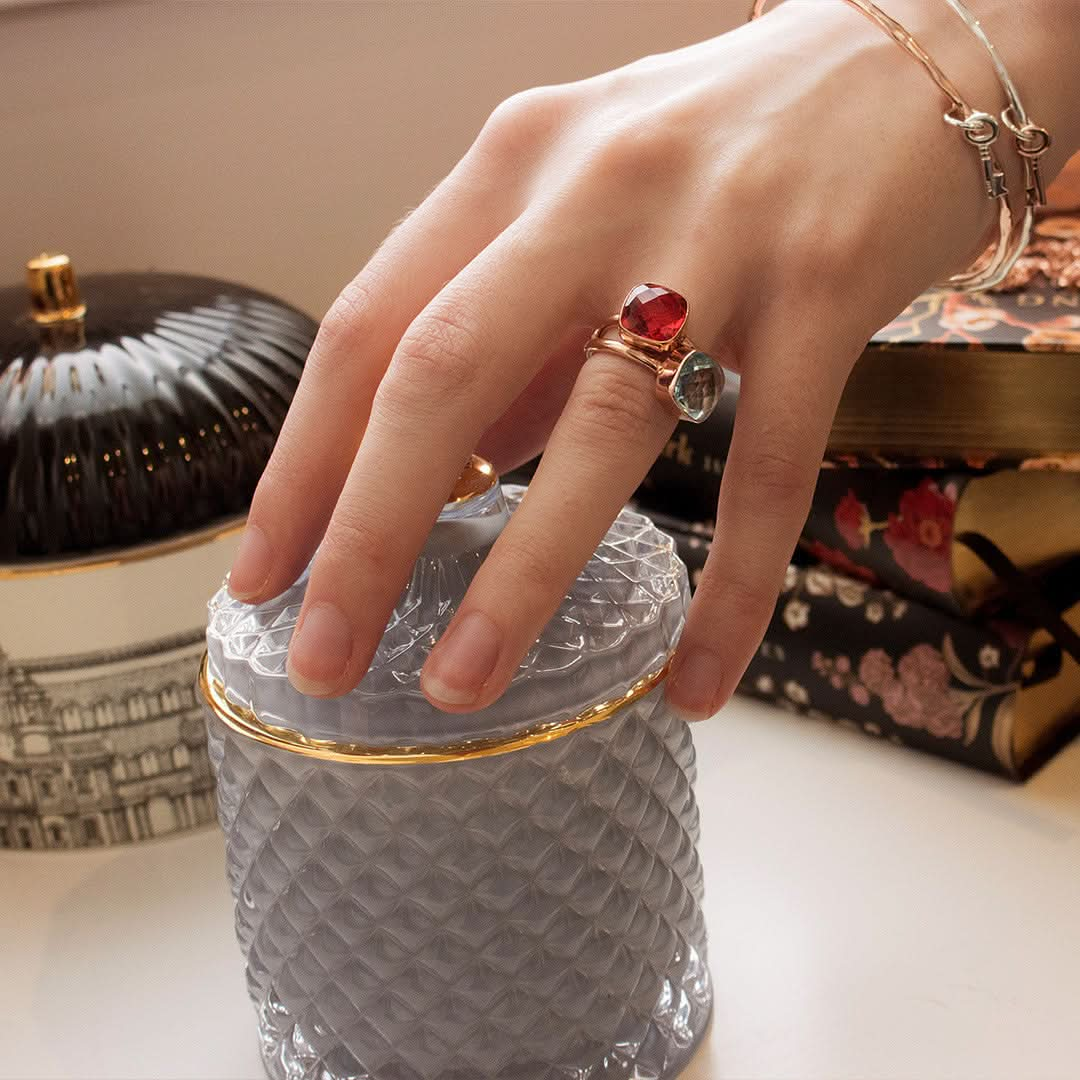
[[610, 433], [461, 363]]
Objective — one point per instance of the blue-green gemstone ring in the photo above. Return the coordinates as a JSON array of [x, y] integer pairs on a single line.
[[649, 331]]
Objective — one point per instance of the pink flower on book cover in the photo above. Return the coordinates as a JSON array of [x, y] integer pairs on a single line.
[[852, 521], [916, 693], [926, 701], [876, 670], [920, 535], [859, 694], [929, 689]]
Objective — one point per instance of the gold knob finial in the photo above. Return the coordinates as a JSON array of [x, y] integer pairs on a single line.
[[54, 293], [477, 478]]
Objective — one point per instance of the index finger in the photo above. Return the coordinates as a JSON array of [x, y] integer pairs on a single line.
[[300, 484], [460, 364]]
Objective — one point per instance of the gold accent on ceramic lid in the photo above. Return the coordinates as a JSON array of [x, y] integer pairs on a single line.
[[54, 292], [246, 722], [108, 560]]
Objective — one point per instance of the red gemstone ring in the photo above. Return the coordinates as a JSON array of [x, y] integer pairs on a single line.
[[649, 331]]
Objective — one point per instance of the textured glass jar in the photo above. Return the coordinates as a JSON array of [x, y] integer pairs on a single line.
[[511, 894]]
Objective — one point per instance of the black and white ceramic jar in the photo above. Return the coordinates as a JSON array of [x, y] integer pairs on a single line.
[[137, 411]]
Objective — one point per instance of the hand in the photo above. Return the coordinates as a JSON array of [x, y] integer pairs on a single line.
[[793, 179]]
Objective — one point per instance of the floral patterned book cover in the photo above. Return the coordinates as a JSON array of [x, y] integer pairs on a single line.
[[899, 528], [992, 694]]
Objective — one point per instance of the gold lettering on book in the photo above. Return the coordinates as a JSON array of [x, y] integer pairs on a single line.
[[713, 465], [680, 451], [1064, 299], [1029, 300]]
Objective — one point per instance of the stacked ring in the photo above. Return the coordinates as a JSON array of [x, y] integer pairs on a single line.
[[649, 331]]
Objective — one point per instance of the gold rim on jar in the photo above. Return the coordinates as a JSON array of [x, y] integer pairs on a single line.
[[245, 721], [77, 564]]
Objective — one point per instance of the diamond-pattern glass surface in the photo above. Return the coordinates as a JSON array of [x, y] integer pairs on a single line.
[[620, 619], [531, 916], [534, 915]]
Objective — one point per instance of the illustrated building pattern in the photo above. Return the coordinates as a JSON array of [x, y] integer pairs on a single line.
[[102, 748]]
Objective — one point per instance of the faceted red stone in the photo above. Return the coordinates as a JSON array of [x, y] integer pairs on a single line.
[[653, 312]]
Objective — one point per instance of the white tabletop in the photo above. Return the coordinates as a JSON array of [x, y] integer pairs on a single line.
[[872, 912]]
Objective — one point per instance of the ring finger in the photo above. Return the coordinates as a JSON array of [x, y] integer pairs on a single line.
[[611, 431]]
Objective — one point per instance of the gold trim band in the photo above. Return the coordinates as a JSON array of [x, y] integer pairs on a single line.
[[245, 721], [656, 364], [112, 559]]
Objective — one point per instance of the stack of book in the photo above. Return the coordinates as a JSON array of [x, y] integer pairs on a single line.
[[934, 599]]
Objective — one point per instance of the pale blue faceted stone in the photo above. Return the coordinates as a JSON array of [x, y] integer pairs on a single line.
[[696, 385]]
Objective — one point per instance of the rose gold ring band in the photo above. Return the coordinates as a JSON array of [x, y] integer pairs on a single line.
[[649, 331]]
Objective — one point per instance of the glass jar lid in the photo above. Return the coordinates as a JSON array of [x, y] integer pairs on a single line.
[[608, 643]]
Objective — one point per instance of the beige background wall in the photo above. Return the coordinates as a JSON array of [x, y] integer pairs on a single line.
[[272, 143]]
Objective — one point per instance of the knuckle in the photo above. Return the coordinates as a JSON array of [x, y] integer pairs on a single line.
[[524, 120], [530, 566], [352, 540], [616, 400], [638, 152], [284, 473], [347, 320], [811, 258], [744, 600], [436, 360], [778, 475], [823, 246]]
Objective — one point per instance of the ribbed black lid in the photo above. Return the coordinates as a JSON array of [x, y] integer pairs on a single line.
[[150, 415]]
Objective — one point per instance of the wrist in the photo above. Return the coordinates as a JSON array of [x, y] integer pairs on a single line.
[[1040, 47]]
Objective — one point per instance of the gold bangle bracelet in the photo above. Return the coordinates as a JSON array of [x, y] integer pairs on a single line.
[[1031, 140], [980, 129]]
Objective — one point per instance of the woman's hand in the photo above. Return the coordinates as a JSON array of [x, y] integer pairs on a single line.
[[793, 179]]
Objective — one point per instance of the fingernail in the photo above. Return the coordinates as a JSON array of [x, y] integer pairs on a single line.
[[251, 566], [692, 686], [463, 661], [320, 650]]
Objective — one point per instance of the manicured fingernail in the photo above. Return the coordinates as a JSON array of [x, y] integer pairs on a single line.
[[692, 686], [251, 567], [463, 661], [320, 650]]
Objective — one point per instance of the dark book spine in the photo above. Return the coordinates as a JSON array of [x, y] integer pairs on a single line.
[[684, 481], [839, 649]]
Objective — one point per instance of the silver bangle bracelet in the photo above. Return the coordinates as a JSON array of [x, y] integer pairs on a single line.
[[1031, 141]]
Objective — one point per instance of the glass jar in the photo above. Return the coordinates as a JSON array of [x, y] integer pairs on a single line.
[[509, 894]]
